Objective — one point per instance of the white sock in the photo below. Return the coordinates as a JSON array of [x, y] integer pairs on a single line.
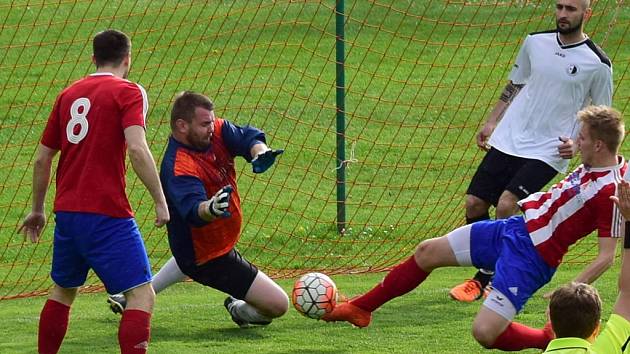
[[248, 312], [168, 275]]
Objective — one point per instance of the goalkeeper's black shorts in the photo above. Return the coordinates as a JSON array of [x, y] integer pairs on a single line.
[[230, 273]]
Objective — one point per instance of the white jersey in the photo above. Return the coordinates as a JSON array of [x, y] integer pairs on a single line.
[[572, 209], [559, 81]]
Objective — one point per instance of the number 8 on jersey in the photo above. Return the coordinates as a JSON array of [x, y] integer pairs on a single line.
[[78, 111]]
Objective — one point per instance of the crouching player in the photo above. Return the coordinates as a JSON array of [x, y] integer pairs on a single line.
[[575, 309], [524, 251], [199, 182]]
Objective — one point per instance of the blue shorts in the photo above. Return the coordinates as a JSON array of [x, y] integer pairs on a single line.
[[506, 247], [112, 247]]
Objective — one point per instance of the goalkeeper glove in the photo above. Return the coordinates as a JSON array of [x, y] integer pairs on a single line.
[[262, 162], [220, 201]]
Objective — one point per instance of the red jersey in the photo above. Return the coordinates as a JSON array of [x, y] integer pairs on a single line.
[[572, 209], [87, 124]]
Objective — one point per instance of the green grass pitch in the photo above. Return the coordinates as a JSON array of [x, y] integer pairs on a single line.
[[190, 318], [420, 76]]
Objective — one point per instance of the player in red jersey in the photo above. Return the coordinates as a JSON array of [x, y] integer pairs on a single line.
[[529, 134], [199, 179], [524, 251], [94, 123]]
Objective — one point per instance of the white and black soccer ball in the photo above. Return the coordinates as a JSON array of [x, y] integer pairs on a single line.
[[314, 295]]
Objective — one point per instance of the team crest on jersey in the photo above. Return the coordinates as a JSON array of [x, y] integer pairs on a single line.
[[572, 69], [574, 184]]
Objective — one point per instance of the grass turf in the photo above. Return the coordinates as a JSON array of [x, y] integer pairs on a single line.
[[420, 78], [190, 318]]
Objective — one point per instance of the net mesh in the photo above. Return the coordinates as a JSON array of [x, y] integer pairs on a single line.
[[421, 76]]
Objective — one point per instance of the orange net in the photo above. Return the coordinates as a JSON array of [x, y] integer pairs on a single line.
[[421, 76]]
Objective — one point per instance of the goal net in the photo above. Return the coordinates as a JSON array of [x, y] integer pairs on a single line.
[[420, 79]]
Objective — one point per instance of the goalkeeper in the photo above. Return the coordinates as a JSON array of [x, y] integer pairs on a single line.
[[524, 251], [199, 182], [575, 309]]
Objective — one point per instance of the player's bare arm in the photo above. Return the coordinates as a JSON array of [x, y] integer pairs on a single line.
[[604, 260], [35, 221], [507, 96], [510, 91], [622, 305], [622, 200], [144, 165], [259, 149]]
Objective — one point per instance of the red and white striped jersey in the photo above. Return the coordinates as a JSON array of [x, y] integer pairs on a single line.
[[572, 209]]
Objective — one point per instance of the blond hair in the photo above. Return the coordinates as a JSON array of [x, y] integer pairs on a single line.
[[605, 124]]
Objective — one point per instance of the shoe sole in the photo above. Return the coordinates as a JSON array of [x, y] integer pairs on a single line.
[[115, 306]]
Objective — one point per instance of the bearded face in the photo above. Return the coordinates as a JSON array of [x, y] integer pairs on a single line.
[[570, 14], [565, 26]]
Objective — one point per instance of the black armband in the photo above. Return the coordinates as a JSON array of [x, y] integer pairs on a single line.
[[626, 240]]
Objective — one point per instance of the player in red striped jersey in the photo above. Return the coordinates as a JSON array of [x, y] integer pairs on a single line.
[[529, 135], [524, 251], [94, 123]]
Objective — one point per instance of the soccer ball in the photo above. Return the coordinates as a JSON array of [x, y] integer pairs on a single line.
[[314, 295]]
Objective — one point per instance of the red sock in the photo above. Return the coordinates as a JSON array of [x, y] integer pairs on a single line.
[[518, 337], [53, 324], [400, 280], [134, 332]]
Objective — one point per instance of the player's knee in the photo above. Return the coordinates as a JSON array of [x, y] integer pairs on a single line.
[[142, 298], [423, 249], [475, 206], [65, 296], [506, 207], [484, 335], [277, 305], [425, 253]]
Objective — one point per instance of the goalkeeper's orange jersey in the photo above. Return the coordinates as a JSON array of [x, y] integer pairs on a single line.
[[189, 177]]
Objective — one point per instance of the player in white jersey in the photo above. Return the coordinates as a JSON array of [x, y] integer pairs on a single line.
[[556, 74], [524, 251]]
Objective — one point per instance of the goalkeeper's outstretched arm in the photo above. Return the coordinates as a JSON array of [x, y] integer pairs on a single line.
[[263, 157]]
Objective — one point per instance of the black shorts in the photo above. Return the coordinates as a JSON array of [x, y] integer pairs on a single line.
[[230, 273], [500, 172]]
